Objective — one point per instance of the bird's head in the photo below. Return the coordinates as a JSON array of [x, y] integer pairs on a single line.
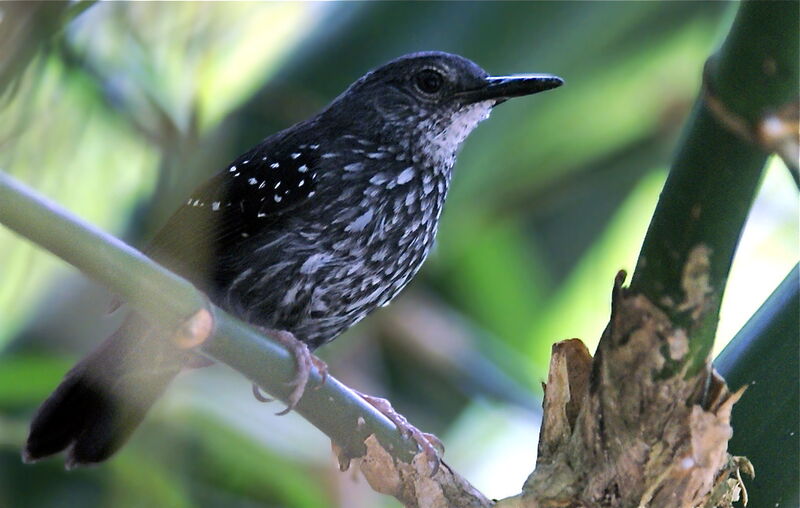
[[429, 102]]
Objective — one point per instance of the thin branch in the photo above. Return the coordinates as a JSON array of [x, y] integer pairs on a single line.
[[392, 463]]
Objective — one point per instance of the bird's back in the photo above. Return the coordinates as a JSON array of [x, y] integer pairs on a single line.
[[308, 232]]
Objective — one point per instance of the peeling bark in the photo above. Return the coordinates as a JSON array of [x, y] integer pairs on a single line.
[[619, 432], [413, 485]]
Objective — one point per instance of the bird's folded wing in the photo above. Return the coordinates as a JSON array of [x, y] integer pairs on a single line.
[[252, 194]]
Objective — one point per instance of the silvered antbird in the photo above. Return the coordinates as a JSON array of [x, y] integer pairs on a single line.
[[307, 232]]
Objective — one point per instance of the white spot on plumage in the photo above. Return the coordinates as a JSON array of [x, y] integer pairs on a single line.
[[264, 158], [328, 155], [342, 244], [379, 256], [378, 179], [302, 182], [310, 235], [355, 166], [315, 262], [244, 275], [262, 184], [314, 147], [277, 198], [360, 222], [274, 165], [427, 184], [261, 215], [232, 169], [245, 162], [277, 185], [290, 295], [365, 300], [295, 155], [355, 267], [318, 303], [252, 181], [405, 176], [215, 206], [303, 168]]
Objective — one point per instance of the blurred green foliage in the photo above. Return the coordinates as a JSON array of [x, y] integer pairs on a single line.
[[116, 110]]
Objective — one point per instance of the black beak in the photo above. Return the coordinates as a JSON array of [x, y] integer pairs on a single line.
[[502, 88]]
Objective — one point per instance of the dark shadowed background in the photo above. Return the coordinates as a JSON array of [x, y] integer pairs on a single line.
[[117, 110]]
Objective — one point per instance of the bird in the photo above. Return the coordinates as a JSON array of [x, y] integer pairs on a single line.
[[304, 234]]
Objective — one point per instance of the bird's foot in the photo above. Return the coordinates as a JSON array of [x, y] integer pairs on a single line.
[[431, 446], [304, 361]]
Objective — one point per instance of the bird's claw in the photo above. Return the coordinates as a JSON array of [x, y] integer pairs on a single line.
[[304, 361], [259, 395], [431, 446]]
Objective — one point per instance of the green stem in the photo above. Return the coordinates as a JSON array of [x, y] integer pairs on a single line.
[[765, 355], [716, 173], [170, 300], [153, 290]]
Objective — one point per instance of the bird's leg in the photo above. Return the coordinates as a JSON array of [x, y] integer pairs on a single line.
[[304, 361], [430, 445]]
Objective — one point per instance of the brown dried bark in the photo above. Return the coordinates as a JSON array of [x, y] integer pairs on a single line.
[[413, 485], [623, 429]]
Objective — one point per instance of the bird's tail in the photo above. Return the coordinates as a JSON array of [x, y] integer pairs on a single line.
[[105, 396]]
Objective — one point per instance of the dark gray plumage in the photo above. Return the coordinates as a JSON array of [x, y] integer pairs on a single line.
[[307, 232]]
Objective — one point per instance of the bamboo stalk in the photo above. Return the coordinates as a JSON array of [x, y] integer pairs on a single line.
[[687, 253]]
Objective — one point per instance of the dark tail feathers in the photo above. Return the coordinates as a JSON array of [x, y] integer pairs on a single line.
[[105, 396]]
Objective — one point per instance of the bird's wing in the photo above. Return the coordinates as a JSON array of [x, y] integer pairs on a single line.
[[252, 194]]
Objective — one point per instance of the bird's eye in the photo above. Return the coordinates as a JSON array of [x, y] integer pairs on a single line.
[[429, 81]]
